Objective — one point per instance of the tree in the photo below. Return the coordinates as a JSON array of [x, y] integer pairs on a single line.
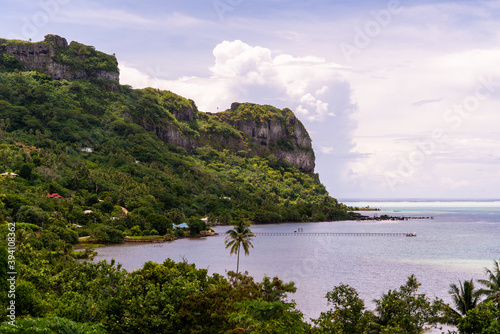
[[196, 226], [239, 236], [25, 171], [4, 258], [406, 311], [176, 216], [259, 316], [32, 214], [159, 223], [107, 234], [47, 173], [492, 284], [465, 298], [347, 315], [51, 325], [226, 305], [485, 318]]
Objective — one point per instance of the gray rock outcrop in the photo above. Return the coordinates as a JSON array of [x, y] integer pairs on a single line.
[[42, 57], [273, 131]]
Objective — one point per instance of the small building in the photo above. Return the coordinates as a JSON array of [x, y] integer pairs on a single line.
[[183, 225], [87, 149], [54, 195]]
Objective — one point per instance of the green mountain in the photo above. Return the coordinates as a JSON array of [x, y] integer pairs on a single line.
[[68, 127]]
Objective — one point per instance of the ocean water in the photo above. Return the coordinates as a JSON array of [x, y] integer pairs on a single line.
[[460, 240]]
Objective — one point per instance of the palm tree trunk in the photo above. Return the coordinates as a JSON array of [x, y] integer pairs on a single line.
[[238, 262]]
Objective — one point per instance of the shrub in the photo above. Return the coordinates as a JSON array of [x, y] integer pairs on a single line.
[[51, 325], [107, 234]]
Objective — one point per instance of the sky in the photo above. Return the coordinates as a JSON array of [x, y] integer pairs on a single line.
[[401, 98]]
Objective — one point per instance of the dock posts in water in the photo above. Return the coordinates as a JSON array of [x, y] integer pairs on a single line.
[[333, 234]]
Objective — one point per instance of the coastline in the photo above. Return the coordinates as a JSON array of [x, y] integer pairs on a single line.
[[159, 239], [144, 239]]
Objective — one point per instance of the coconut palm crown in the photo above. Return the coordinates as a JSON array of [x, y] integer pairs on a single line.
[[239, 236], [491, 285], [465, 297]]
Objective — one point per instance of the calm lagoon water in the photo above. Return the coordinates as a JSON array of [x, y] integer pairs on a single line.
[[461, 240]]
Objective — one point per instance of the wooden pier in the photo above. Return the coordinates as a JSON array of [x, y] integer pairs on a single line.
[[332, 234]]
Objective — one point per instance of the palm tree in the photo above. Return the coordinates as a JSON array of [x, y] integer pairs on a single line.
[[239, 236], [492, 284], [465, 297]]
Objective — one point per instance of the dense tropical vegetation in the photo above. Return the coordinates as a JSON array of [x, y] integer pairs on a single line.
[[57, 294]]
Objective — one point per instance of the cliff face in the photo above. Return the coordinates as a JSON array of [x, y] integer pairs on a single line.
[[246, 128], [171, 134], [269, 130], [250, 129], [53, 56]]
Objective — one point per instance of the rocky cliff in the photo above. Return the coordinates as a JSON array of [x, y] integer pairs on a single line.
[[171, 134], [269, 130], [245, 128], [55, 57]]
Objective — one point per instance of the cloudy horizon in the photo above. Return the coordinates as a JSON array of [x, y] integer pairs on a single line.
[[401, 98]]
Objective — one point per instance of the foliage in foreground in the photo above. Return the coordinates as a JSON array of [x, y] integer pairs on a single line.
[[56, 293], [398, 311], [159, 298], [404, 310], [51, 325]]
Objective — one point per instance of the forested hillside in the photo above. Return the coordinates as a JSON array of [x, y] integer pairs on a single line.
[[123, 158]]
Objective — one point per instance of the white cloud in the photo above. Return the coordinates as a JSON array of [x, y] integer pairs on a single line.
[[451, 183], [302, 111], [422, 102], [102, 16], [320, 108], [108, 17], [387, 107], [322, 90], [326, 149], [251, 73], [237, 59]]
